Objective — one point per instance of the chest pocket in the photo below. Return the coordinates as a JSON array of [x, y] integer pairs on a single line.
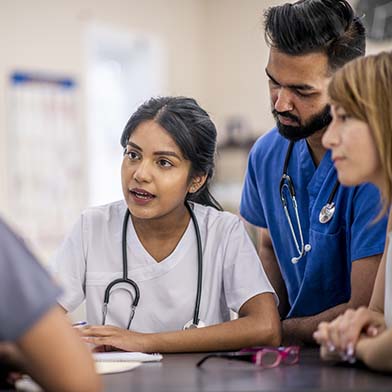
[[326, 281]]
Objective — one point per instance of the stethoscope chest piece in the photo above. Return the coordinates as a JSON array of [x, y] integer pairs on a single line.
[[327, 212]]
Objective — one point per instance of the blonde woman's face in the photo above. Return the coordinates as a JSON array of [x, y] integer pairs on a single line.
[[354, 152]]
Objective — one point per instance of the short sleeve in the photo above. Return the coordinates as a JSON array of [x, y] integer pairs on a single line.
[[69, 267], [244, 276], [27, 292], [251, 207], [367, 235]]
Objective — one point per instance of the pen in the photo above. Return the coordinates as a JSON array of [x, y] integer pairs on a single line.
[[79, 324]]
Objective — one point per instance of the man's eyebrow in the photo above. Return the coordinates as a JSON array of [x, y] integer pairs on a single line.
[[168, 153], [292, 86]]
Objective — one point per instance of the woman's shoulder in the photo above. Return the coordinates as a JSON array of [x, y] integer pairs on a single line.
[[211, 218], [106, 212]]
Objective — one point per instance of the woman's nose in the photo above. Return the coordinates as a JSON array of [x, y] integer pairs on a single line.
[[331, 136], [142, 172]]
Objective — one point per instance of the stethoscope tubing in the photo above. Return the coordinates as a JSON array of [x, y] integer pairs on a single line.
[[326, 212], [125, 279]]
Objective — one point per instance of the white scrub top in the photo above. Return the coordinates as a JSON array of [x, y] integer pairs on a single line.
[[91, 257]]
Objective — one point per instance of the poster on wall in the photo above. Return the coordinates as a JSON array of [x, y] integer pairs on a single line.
[[45, 176]]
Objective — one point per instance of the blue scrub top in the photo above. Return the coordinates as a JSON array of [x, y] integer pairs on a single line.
[[321, 278]]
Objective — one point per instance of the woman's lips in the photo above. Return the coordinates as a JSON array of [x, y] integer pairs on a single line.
[[141, 196], [337, 160]]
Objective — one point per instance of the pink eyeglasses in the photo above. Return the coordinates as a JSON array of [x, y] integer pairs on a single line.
[[266, 357]]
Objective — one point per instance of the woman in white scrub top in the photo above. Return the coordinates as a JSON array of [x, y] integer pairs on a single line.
[[360, 137], [169, 150]]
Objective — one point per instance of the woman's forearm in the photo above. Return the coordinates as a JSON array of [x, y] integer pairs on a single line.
[[259, 324], [231, 335], [376, 352]]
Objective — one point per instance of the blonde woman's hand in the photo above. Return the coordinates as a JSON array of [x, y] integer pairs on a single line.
[[341, 335]]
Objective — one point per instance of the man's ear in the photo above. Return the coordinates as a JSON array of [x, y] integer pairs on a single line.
[[197, 182]]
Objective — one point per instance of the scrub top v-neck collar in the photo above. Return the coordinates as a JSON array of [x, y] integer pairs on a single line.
[[147, 267]]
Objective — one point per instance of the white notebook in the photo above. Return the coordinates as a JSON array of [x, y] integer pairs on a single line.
[[124, 356], [115, 367]]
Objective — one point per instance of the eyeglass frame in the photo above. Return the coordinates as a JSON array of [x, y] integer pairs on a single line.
[[256, 354]]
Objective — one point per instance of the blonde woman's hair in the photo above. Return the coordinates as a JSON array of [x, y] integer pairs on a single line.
[[363, 88]]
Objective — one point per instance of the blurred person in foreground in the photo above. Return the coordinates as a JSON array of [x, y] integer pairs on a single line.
[[35, 336]]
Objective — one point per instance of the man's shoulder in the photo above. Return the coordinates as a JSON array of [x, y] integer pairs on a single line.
[[269, 143]]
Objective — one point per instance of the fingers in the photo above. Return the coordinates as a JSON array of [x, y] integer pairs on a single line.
[[321, 335], [99, 341], [372, 331], [99, 330], [328, 355], [342, 334], [109, 337], [327, 334], [355, 322]]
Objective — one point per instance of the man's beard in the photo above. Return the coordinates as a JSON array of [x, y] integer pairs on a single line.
[[316, 122]]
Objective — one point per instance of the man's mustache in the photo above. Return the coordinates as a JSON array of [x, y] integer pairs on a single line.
[[285, 114]]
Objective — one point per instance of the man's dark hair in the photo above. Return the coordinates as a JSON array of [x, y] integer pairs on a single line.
[[309, 26]]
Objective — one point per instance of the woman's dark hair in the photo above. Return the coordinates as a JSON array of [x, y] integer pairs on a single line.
[[309, 26], [193, 131]]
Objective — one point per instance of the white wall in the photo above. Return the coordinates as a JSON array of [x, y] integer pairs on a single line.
[[49, 36], [215, 52], [236, 56]]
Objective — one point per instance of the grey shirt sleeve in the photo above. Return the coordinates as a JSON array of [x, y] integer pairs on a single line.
[[26, 290]]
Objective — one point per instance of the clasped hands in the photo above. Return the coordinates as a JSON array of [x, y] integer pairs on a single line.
[[339, 338]]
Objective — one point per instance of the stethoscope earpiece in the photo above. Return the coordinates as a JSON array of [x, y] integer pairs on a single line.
[[307, 248]]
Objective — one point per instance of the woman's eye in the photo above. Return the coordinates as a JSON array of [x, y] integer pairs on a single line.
[[133, 155], [164, 163], [343, 117]]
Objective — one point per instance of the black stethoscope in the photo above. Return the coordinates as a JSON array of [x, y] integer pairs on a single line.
[[326, 213], [195, 322]]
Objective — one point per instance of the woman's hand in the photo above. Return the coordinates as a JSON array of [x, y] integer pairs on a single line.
[[114, 338], [341, 335]]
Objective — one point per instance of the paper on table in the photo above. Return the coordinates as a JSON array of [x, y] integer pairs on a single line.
[[26, 384], [124, 356], [115, 367]]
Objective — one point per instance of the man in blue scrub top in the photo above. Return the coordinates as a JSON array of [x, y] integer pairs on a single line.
[[333, 267]]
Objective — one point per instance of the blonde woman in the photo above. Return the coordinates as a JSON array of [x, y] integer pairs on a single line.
[[360, 137]]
